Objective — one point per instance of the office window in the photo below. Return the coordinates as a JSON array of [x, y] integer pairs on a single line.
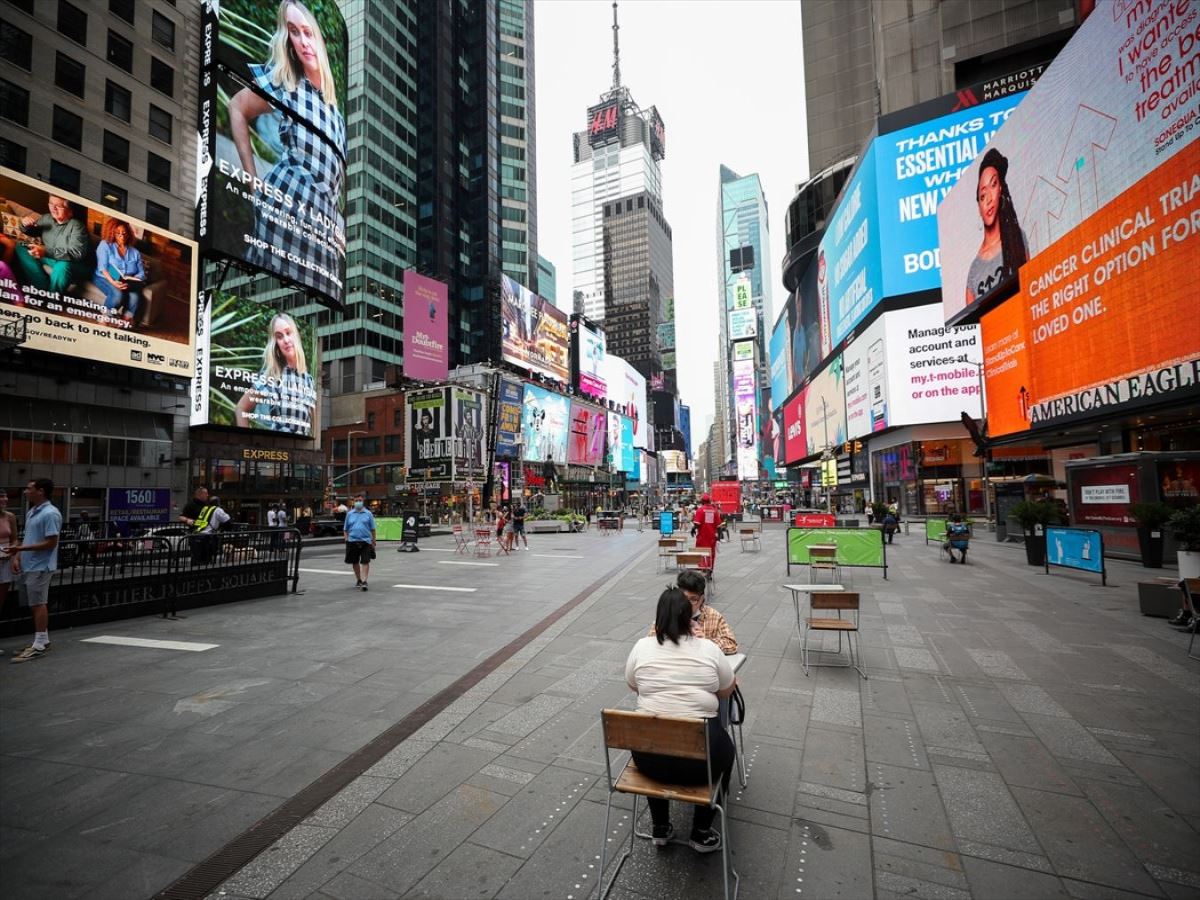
[[111, 195], [398, 418], [162, 30], [116, 151], [64, 176], [162, 77], [14, 103], [117, 101], [12, 155], [72, 21], [158, 171], [69, 74], [16, 46], [67, 128], [122, 8], [161, 124], [370, 421], [157, 214], [120, 51]]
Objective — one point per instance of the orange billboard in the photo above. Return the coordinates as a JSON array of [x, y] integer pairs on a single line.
[[1107, 314]]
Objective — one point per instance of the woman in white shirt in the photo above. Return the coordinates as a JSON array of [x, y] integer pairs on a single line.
[[678, 672]]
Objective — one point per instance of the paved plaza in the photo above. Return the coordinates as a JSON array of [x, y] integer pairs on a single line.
[[1020, 735]]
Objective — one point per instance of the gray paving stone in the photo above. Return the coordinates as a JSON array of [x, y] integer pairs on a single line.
[[890, 884], [895, 742], [1154, 833], [832, 862], [1024, 761], [981, 810], [990, 880], [915, 658], [1029, 698], [905, 806], [835, 759], [351, 800], [532, 814], [1034, 861], [270, 869], [469, 871], [433, 776], [346, 886], [1067, 739], [946, 728], [773, 772], [837, 706]]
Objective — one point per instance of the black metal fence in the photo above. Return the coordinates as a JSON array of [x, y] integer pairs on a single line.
[[101, 579]]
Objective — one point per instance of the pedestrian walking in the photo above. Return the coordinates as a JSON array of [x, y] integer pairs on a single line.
[[705, 523], [518, 522], [358, 530], [43, 523]]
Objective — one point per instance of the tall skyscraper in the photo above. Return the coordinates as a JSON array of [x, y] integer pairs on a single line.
[[547, 280], [746, 311]]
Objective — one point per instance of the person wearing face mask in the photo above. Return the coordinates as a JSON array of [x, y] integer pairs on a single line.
[[358, 530]]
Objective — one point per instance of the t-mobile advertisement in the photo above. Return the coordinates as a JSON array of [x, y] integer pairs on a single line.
[[426, 321], [932, 368], [1118, 103]]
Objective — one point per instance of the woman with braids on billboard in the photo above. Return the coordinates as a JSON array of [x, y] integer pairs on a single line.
[[1003, 250], [283, 396], [305, 185]]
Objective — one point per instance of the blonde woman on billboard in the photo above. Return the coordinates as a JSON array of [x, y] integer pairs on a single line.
[[283, 397], [305, 185]]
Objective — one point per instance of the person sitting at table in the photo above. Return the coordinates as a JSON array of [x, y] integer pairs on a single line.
[[706, 621], [957, 537], [676, 673]]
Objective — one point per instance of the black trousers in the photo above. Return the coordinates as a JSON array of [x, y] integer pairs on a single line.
[[675, 770]]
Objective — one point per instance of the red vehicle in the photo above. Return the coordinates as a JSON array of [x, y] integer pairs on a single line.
[[727, 497]]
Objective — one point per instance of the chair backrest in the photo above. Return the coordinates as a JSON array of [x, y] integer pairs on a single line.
[[668, 543], [692, 559], [456, 529], [834, 600], [822, 553], [646, 733]]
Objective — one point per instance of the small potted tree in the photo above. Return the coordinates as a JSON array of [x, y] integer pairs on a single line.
[[879, 509], [1150, 519], [1033, 517], [1184, 525]]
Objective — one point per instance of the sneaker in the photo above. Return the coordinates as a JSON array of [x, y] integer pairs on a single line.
[[364, 585], [663, 834], [357, 583], [1180, 618], [30, 653], [707, 841]]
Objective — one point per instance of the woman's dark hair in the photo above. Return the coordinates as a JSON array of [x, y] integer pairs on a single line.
[[1012, 242], [673, 619]]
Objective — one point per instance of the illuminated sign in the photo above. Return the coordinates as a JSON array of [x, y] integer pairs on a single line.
[[743, 323], [534, 332], [658, 134], [745, 399], [604, 121]]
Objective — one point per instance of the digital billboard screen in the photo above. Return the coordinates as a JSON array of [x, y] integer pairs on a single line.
[[932, 368], [1112, 110], [589, 428], [588, 358], [272, 160], [781, 359], [545, 425], [469, 432], [621, 454], [795, 442], [745, 404], [864, 367], [806, 325], [825, 408], [259, 368], [428, 452], [511, 395], [604, 121], [535, 332], [94, 283], [627, 388], [426, 327]]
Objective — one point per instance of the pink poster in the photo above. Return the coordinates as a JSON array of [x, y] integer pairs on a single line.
[[426, 343]]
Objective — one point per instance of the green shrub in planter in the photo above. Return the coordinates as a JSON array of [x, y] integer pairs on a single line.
[[1030, 514], [1150, 518]]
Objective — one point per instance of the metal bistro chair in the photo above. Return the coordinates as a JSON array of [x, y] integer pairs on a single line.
[[823, 559], [461, 542], [669, 736], [483, 541], [829, 601]]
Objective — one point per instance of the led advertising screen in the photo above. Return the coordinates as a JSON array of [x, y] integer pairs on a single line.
[[864, 365], [272, 160], [627, 388], [535, 332], [917, 167], [932, 369], [674, 461], [795, 442], [745, 404], [428, 452], [848, 267], [1076, 173], [806, 324], [588, 431], [94, 283], [261, 368], [825, 408], [604, 121], [685, 428], [511, 396], [469, 432], [426, 327], [780, 350], [588, 357], [545, 425]]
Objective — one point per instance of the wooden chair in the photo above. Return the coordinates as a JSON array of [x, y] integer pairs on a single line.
[[1191, 590], [823, 559], [827, 602], [702, 562], [750, 539], [483, 541], [666, 548], [669, 736]]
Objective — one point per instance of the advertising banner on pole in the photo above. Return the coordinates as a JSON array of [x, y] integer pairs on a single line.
[[535, 332], [426, 328], [508, 426], [545, 425], [93, 283]]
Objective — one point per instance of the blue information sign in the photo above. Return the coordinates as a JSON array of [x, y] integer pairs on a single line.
[[129, 507], [1075, 548], [666, 523]]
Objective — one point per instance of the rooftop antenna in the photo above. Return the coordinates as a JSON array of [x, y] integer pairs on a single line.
[[616, 50]]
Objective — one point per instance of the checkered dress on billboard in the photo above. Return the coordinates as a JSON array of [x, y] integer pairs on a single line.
[[286, 405], [311, 173]]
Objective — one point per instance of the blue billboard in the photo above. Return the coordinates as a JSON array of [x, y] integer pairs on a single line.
[[631, 457], [781, 362], [848, 259], [508, 415], [685, 428], [916, 167]]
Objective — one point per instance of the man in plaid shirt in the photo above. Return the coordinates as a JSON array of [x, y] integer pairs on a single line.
[[706, 621]]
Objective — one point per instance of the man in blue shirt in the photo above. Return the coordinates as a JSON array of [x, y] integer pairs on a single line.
[[40, 546], [358, 530]]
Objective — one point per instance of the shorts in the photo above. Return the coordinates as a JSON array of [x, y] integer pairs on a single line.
[[359, 552], [518, 527], [6, 572], [35, 588]]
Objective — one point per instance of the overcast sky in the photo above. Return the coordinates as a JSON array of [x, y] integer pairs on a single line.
[[727, 77]]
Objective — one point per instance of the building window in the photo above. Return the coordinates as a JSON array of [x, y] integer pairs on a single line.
[[398, 418], [157, 214], [161, 124], [162, 77], [158, 171], [120, 51], [162, 30], [12, 155], [67, 128], [116, 151], [122, 8], [69, 74], [111, 195], [16, 46], [370, 421], [117, 101], [72, 21], [64, 176], [14, 103]]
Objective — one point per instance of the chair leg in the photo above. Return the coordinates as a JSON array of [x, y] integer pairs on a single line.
[[726, 864], [739, 753], [604, 847]]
